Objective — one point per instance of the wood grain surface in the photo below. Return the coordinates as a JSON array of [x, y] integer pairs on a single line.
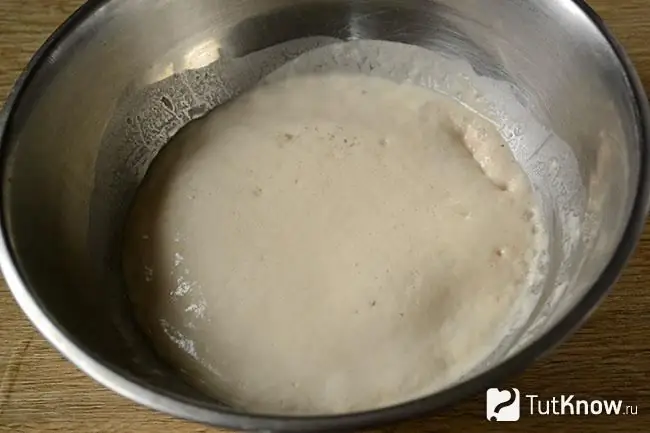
[[608, 358]]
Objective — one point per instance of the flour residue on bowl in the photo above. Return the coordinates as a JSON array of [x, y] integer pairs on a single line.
[[330, 243]]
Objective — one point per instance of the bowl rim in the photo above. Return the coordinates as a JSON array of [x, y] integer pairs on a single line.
[[171, 403]]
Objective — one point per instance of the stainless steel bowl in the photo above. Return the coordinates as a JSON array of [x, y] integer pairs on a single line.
[[119, 78]]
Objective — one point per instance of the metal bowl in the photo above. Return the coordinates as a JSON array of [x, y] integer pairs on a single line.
[[119, 78]]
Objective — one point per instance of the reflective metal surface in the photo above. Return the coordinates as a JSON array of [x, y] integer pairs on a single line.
[[117, 80]]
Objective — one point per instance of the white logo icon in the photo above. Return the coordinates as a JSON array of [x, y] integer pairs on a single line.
[[502, 405]]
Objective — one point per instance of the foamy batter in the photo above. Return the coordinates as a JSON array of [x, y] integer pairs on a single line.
[[330, 243]]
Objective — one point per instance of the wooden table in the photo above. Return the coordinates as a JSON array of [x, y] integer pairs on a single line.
[[609, 358]]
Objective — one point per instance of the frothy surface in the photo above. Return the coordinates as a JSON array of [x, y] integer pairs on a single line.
[[331, 243]]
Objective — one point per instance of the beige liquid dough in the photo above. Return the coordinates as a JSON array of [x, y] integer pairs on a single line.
[[331, 243]]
